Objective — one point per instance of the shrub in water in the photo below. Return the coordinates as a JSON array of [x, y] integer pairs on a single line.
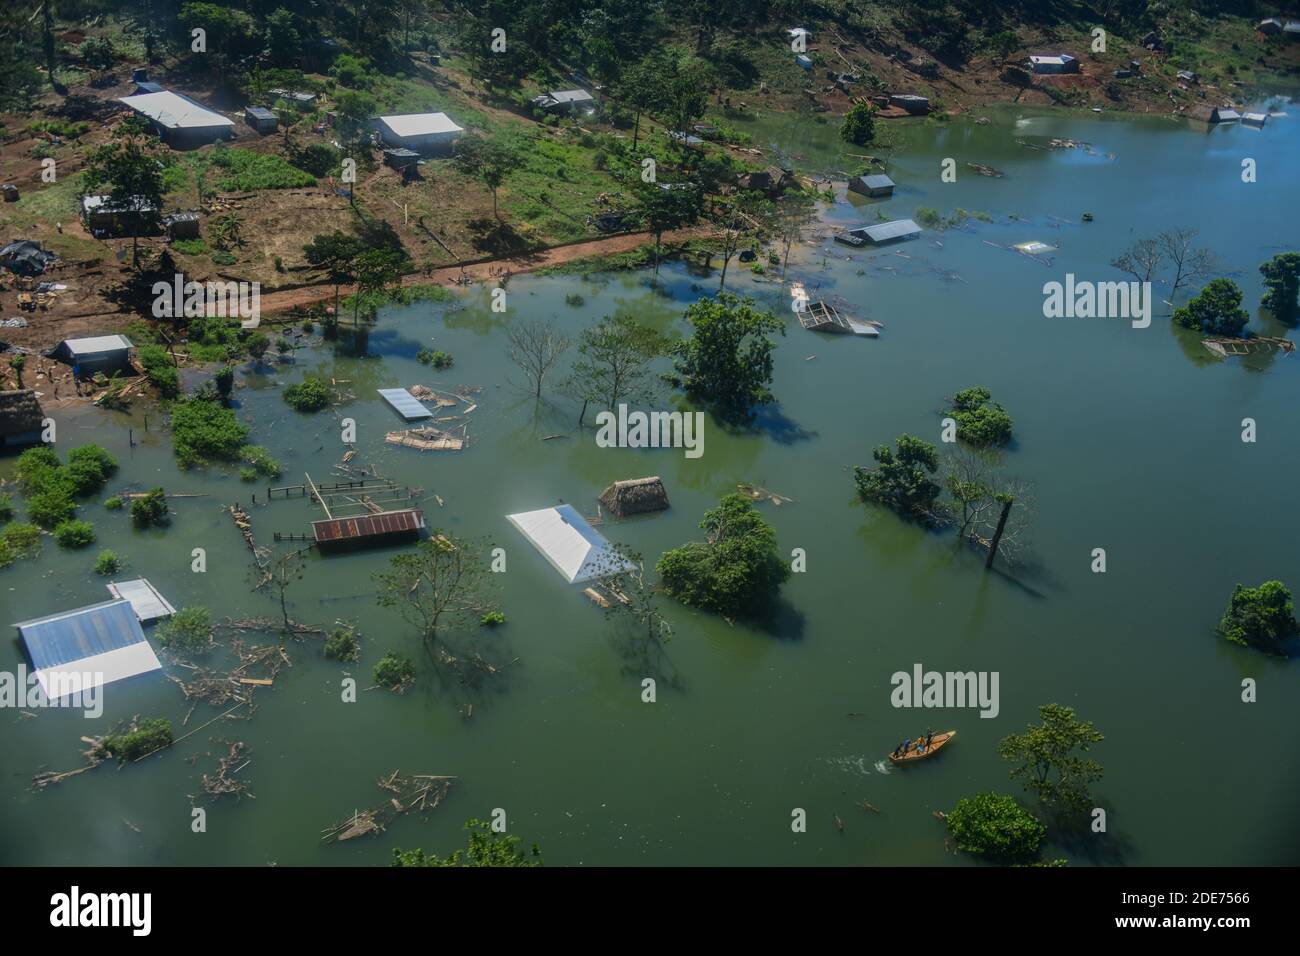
[[107, 562], [394, 671], [74, 534], [342, 645], [149, 509], [309, 395], [189, 628]]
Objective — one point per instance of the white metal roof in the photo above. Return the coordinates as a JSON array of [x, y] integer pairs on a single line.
[[406, 404], [1057, 59], [97, 343], [174, 111], [86, 647], [146, 602], [894, 229], [574, 548], [420, 124]]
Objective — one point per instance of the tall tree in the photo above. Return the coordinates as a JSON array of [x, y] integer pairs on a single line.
[[334, 253], [667, 206], [1140, 260], [901, 480], [375, 270], [536, 347], [490, 160], [442, 583], [727, 361], [1049, 761], [130, 166], [1282, 280], [1189, 261], [1216, 310], [613, 363]]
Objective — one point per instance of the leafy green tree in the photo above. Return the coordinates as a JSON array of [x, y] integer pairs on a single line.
[[859, 127], [1282, 280], [18, 363], [684, 91], [613, 363], [489, 160], [486, 848], [74, 534], [189, 629], [205, 431], [309, 395], [335, 253], [228, 33], [1046, 761], [375, 270], [90, 467], [353, 111], [1216, 310], [131, 167], [901, 481], [736, 571], [160, 368], [442, 583], [667, 206], [394, 671], [283, 41], [150, 509], [727, 361], [1261, 617], [638, 88], [97, 52], [980, 421], [994, 826], [256, 346]]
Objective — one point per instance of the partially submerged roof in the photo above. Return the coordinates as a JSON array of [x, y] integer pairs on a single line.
[[897, 229], [173, 111], [405, 521], [405, 403], [144, 598], [877, 181], [75, 650], [420, 124], [96, 345], [20, 412], [574, 548]]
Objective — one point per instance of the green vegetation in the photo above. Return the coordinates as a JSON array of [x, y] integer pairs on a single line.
[[261, 461], [436, 359], [441, 583], [859, 126], [114, 504], [613, 363], [190, 247], [343, 645], [160, 370], [143, 739], [736, 571], [130, 169], [6, 508], [727, 361], [1215, 311], [309, 395], [980, 421], [486, 848], [1046, 761], [492, 619], [107, 562], [51, 508], [994, 826], [1262, 617], [90, 466], [204, 432], [188, 629], [75, 534], [489, 160], [1282, 282], [902, 480], [242, 170], [23, 539], [394, 671], [150, 509]]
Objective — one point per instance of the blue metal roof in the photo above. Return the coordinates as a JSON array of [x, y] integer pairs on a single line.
[[895, 229], [84, 632], [405, 403]]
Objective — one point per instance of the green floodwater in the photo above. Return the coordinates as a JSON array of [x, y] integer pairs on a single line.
[[1132, 438]]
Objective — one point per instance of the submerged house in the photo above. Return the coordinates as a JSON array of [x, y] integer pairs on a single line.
[[893, 231], [876, 185], [100, 353], [383, 527], [635, 496], [565, 101], [1213, 114], [20, 418], [573, 547], [76, 650], [179, 121], [1043, 64], [419, 132]]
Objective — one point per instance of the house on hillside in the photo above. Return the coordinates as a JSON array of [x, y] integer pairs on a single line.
[[1046, 64], [103, 218], [100, 353], [1270, 26], [915, 104], [565, 101], [1213, 114], [261, 119], [179, 121], [424, 133], [1187, 76], [771, 181], [20, 418]]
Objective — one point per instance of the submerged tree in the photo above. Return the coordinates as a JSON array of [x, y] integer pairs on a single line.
[[1047, 762], [727, 361], [1260, 617], [1216, 310], [486, 848], [536, 346], [736, 571], [980, 421], [1189, 262], [859, 126], [901, 481], [442, 583], [994, 826], [667, 206], [613, 363], [1140, 260], [1282, 280]]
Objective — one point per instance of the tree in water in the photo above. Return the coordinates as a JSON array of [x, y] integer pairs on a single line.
[[486, 848], [1262, 617], [443, 583], [1282, 280], [727, 361], [613, 363], [1047, 762], [1216, 310], [901, 481]]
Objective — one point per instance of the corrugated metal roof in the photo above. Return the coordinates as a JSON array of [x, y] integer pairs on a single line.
[[898, 229], [368, 526], [259, 112], [97, 344], [174, 111], [145, 600], [86, 647], [420, 124], [405, 403], [574, 548], [879, 181]]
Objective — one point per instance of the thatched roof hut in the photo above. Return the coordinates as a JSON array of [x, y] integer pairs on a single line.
[[635, 496], [20, 417]]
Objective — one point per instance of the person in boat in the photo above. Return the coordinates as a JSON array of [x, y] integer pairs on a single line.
[[920, 745], [897, 750], [907, 744], [929, 737]]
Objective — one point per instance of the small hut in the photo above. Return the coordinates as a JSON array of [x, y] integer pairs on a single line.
[[635, 496], [20, 418]]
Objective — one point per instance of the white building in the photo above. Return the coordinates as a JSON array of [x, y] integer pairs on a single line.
[[422, 132], [178, 120]]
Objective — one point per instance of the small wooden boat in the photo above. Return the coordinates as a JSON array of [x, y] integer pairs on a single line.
[[911, 755]]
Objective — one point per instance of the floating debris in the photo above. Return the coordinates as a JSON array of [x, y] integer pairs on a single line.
[[418, 794], [429, 439], [985, 170], [1259, 345]]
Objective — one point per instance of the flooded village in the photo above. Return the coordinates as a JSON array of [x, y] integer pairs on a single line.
[[672, 437]]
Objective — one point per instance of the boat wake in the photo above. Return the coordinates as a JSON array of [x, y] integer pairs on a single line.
[[882, 766], [858, 765]]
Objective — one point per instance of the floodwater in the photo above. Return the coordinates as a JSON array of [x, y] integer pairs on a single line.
[[1132, 438]]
